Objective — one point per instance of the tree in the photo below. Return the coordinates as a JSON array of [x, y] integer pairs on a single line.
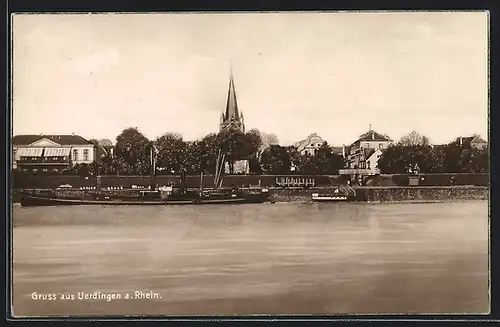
[[462, 158], [172, 152], [237, 145], [105, 143], [254, 141], [324, 162], [404, 159], [275, 160], [208, 150], [254, 165], [132, 151], [414, 138], [268, 139], [306, 164], [483, 160], [295, 158]]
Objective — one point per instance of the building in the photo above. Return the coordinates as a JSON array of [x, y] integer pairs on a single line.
[[313, 142], [310, 144], [474, 141], [50, 153], [232, 117], [371, 162], [361, 153], [240, 167]]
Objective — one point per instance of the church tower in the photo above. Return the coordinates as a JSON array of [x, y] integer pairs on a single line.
[[232, 117]]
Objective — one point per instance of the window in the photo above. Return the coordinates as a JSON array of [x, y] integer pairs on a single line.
[[75, 154], [86, 155], [381, 145], [368, 164]]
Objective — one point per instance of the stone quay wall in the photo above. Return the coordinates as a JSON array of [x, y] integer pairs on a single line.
[[421, 194], [363, 194]]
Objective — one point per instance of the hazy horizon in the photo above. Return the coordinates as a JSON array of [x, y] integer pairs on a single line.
[[333, 74]]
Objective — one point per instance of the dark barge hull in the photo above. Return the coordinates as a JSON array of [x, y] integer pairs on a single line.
[[32, 201]]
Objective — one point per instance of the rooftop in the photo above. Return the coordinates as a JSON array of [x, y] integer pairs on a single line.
[[371, 135], [59, 139], [302, 144]]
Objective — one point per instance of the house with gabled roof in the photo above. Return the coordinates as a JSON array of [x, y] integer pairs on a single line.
[[313, 142], [50, 153], [310, 144], [362, 150], [474, 141]]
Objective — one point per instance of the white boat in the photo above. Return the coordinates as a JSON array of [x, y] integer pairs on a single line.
[[317, 197], [341, 193]]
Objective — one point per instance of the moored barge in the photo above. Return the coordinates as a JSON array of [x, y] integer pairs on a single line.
[[157, 197]]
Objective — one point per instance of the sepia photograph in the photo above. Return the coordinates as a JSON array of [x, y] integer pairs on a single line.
[[250, 164]]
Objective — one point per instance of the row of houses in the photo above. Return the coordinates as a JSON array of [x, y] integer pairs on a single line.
[[362, 155], [55, 153]]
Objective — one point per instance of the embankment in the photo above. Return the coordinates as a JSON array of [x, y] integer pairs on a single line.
[[421, 194], [394, 194], [411, 194], [22, 181]]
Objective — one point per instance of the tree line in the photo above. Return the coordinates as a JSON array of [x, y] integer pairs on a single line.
[[424, 158], [412, 154], [132, 155]]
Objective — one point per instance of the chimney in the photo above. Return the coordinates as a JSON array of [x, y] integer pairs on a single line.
[[461, 140], [373, 136]]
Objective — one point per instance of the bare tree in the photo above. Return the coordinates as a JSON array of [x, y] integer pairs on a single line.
[[414, 138], [105, 142], [268, 139]]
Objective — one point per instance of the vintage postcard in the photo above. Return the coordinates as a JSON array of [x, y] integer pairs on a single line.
[[283, 163]]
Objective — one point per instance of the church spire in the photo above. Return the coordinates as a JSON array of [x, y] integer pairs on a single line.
[[231, 104], [232, 115]]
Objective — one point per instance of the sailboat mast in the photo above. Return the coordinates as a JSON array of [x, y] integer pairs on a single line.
[[217, 164], [221, 167]]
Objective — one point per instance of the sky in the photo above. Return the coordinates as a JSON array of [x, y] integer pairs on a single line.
[[333, 74]]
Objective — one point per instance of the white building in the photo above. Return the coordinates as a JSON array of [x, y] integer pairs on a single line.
[[309, 145], [364, 147], [44, 150]]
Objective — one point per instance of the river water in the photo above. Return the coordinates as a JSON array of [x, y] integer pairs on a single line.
[[336, 258]]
